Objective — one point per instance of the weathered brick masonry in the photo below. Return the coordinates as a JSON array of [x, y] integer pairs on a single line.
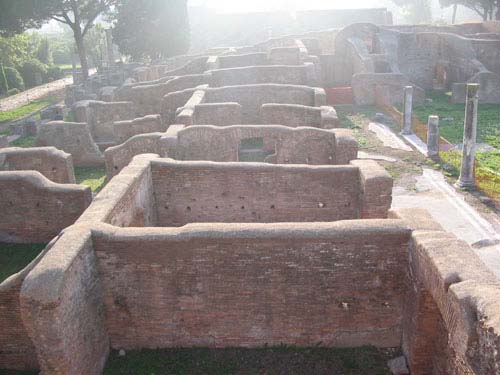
[[54, 164], [382, 282], [34, 209]]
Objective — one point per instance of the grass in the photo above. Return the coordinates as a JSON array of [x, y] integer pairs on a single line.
[[354, 117], [67, 66], [94, 177], [451, 124], [24, 142], [25, 110], [487, 162], [14, 257], [268, 360]]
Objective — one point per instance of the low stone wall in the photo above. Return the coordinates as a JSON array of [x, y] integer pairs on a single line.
[[101, 115], [73, 138], [54, 164], [118, 157], [284, 145], [241, 192], [451, 320], [284, 56], [123, 130], [252, 97], [291, 115], [18, 352], [282, 74], [222, 114], [174, 101], [147, 98], [367, 86], [34, 209], [377, 282], [235, 61], [341, 284], [222, 144]]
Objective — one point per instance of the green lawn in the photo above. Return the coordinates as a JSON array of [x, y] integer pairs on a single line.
[[14, 257], [268, 360], [25, 110], [451, 124], [24, 142], [67, 66], [94, 177]]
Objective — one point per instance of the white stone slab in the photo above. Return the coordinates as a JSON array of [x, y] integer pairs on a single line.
[[388, 138]]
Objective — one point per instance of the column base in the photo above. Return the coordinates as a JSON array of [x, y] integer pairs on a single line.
[[465, 185]]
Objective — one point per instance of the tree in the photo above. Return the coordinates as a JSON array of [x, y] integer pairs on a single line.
[[487, 9], [79, 15], [417, 11], [152, 29], [43, 52]]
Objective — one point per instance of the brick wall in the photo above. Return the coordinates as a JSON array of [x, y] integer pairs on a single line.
[[63, 310], [249, 59], [292, 115], [338, 284], [73, 138], [54, 164], [147, 98], [34, 209], [453, 307], [222, 114], [282, 74], [123, 130], [251, 97], [289, 145], [188, 192], [128, 201]]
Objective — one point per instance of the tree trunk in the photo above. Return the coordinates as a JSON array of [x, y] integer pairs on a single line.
[[82, 53]]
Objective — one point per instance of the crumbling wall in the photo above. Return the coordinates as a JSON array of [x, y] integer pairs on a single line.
[[291, 115], [34, 209], [369, 89], [222, 114], [147, 98], [285, 145], [129, 200], [235, 61], [118, 157], [252, 97], [172, 102], [73, 138], [240, 192], [341, 284], [282, 74], [63, 310], [54, 164], [100, 117], [451, 314], [123, 130]]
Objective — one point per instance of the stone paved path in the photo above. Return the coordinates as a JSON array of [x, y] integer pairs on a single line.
[[25, 97]]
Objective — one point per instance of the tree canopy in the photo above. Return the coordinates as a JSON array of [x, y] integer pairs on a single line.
[[487, 9], [79, 15], [151, 29]]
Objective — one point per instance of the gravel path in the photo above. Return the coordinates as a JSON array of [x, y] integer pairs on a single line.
[[25, 97]]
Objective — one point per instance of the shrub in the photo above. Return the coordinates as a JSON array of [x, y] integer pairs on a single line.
[[53, 73], [14, 79], [33, 72]]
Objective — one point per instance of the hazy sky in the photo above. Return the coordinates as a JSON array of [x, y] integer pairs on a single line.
[[266, 5]]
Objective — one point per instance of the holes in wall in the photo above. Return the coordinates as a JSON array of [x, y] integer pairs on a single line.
[[272, 207], [253, 150], [188, 208]]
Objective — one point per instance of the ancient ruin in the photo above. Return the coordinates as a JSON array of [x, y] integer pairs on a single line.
[[238, 212]]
